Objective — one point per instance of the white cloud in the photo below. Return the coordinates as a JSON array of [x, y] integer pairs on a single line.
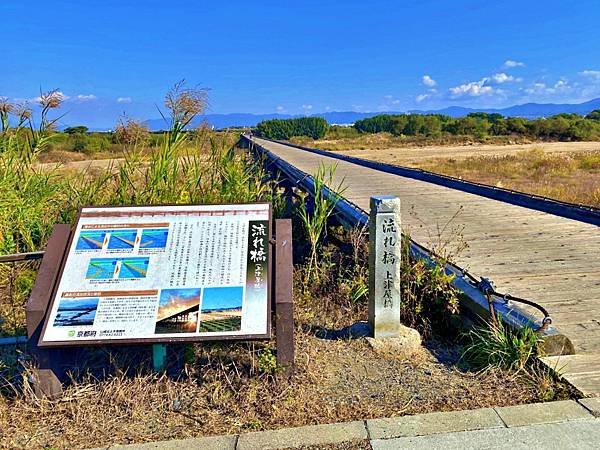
[[428, 81], [485, 86], [473, 88], [307, 107], [419, 98], [327, 108], [561, 84], [560, 87], [388, 101], [124, 100], [536, 88], [502, 78], [509, 64], [280, 108], [591, 74], [86, 97]]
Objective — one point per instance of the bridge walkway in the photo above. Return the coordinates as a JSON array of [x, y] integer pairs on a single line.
[[549, 259]]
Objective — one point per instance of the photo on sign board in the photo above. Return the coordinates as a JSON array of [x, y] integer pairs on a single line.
[[221, 309], [178, 311], [101, 268], [122, 240], [154, 238], [76, 312], [133, 268], [91, 240]]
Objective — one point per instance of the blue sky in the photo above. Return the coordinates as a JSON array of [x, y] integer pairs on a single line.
[[222, 297], [110, 57]]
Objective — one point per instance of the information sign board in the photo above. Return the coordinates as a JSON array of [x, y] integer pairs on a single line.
[[164, 274]]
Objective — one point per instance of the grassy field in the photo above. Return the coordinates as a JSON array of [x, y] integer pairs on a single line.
[[570, 177], [347, 138], [567, 171]]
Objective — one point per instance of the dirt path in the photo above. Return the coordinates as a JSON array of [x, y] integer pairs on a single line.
[[81, 165], [412, 156]]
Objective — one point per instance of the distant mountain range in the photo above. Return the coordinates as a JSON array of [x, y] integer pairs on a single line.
[[527, 110]]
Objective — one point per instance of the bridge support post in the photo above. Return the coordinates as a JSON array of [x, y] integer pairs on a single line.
[[385, 245]]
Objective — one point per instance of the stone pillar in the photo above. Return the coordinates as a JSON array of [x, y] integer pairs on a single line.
[[385, 242]]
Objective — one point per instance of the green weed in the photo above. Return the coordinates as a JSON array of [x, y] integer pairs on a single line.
[[498, 346], [314, 217], [267, 362]]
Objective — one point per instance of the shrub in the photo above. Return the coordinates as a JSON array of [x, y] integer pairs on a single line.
[[314, 127], [80, 143], [404, 124], [497, 345], [76, 130], [428, 296], [594, 115], [341, 132]]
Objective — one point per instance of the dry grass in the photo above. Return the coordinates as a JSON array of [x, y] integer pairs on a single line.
[[224, 393], [383, 141], [571, 178]]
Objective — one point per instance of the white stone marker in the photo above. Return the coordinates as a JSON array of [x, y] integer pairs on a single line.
[[385, 245]]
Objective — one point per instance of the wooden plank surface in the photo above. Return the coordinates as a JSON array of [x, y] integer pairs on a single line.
[[551, 260]]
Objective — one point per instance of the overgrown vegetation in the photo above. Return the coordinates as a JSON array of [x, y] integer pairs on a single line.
[[32, 199], [314, 127], [220, 387]]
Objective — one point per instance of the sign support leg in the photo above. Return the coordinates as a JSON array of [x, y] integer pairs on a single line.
[[47, 370], [284, 302], [159, 357]]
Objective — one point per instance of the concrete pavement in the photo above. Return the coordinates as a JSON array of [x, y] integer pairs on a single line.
[[567, 424]]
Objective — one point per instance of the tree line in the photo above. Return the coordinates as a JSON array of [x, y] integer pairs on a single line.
[[562, 127]]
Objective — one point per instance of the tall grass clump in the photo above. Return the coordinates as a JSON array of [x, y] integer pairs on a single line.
[[315, 213], [199, 167], [30, 199], [496, 345]]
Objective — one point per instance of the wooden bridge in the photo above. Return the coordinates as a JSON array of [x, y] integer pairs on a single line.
[[552, 260]]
